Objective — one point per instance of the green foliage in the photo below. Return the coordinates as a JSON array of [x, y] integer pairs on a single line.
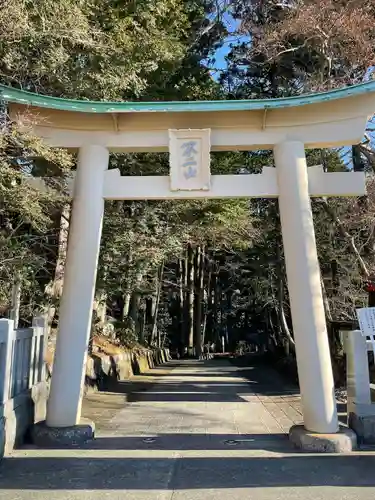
[[28, 208], [289, 48], [92, 49], [125, 332], [96, 50], [158, 50]]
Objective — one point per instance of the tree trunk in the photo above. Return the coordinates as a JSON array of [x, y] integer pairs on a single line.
[[16, 300], [135, 301], [134, 310], [285, 330], [155, 330], [229, 320], [207, 307], [272, 330], [182, 334], [216, 312], [199, 293], [212, 309], [281, 314], [325, 300], [222, 324], [54, 289], [142, 325], [350, 239], [190, 300], [100, 306], [126, 306], [127, 294]]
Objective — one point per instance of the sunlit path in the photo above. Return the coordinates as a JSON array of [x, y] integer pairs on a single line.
[[200, 431]]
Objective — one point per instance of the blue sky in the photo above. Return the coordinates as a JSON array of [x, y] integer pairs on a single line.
[[232, 26]]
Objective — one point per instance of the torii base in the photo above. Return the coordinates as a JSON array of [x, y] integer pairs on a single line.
[[362, 421], [344, 441], [63, 437]]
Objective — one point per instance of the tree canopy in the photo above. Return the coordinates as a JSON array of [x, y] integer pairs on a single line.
[[183, 273]]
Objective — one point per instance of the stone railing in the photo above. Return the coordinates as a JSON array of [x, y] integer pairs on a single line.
[[360, 409], [23, 381], [23, 388]]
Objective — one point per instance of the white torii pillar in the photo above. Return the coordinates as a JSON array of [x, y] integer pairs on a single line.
[[64, 404], [305, 292]]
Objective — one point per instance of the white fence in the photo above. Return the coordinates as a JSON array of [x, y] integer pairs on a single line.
[[358, 383], [21, 358]]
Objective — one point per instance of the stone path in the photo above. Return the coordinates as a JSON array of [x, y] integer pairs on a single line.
[[202, 432]]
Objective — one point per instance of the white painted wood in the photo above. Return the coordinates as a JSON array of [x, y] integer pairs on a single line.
[[6, 345], [16, 301], [305, 292], [357, 370], [262, 185], [33, 377], [37, 355], [19, 368], [40, 327], [330, 134], [15, 386], [64, 404], [158, 187], [223, 186], [335, 183], [23, 333], [189, 160]]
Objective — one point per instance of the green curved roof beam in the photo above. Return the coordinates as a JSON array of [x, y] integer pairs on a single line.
[[9, 94]]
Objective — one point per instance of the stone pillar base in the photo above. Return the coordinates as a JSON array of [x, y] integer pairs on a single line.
[[364, 425], [62, 437], [344, 441]]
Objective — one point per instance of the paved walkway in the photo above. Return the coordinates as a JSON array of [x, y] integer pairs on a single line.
[[202, 432]]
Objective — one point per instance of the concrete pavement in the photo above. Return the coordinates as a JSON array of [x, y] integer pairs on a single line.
[[203, 431]]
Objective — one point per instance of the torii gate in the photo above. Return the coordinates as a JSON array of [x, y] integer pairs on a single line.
[[190, 130]]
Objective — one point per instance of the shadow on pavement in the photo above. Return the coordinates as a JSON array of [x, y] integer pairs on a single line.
[[189, 441], [206, 385], [189, 473], [183, 460]]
